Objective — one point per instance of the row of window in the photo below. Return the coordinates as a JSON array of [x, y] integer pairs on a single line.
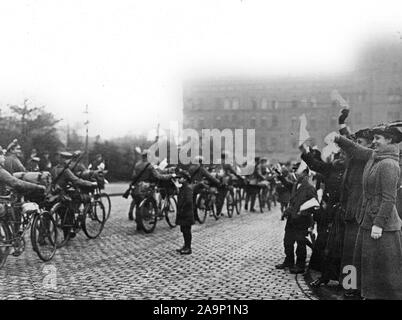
[[273, 121], [267, 104]]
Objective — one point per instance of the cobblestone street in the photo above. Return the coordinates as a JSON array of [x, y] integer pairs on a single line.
[[232, 259]]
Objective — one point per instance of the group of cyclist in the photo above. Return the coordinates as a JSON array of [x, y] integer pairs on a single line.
[[213, 188], [52, 204]]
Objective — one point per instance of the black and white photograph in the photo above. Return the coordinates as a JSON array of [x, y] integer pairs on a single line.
[[200, 155]]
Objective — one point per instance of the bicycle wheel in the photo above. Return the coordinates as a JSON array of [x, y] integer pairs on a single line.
[[171, 211], [237, 201], [105, 199], [93, 219], [60, 213], [230, 204], [211, 206], [201, 209], [5, 242], [148, 215], [44, 236]]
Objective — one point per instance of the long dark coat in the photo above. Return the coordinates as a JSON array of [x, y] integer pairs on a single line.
[[327, 252], [351, 201], [378, 262], [185, 214]]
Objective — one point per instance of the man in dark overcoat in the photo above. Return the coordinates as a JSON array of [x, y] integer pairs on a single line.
[[298, 222]]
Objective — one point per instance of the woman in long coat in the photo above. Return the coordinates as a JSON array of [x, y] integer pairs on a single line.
[[327, 252], [378, 249]]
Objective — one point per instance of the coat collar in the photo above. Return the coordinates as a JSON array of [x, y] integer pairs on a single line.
[[389, 152]]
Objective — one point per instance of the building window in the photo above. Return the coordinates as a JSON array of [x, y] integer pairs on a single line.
[[226, 104], [294, 123], [263, 143], [235, 104], [364, 95], [218, 102], [197, 103], [313, 102], [264, 122], [274, 104], [254, 104], [275, 121], [264, 103], [252, 122], [218, 122]]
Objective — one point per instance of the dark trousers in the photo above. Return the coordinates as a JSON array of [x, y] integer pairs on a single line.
[[186, 230], [251, 195], [293, 236]]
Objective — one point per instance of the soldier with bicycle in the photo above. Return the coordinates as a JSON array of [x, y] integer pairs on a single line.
[[64, 177], [198, 176], [226, 172], [144, 173]]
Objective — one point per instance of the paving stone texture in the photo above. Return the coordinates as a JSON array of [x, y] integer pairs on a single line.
[[232, 259]]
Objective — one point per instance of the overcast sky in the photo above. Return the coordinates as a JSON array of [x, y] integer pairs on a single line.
[[126, 59]]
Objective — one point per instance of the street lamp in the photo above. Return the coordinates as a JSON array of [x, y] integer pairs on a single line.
[[86, 136]]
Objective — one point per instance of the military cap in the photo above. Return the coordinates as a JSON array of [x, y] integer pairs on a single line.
[[65, 154]]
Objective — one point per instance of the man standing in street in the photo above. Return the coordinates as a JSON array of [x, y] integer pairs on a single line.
[[298, 221]]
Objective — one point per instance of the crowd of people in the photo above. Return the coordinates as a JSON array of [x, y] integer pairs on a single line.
[[352, 196], [345, 204]]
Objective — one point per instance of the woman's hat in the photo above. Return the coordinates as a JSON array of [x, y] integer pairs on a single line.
[[364, 133], [392, 130]]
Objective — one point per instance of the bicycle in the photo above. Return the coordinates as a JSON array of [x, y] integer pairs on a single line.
[[74, 211], [150, 210], [228, 199], [206, 203], [16, 219], [99, 193], [238, 186]]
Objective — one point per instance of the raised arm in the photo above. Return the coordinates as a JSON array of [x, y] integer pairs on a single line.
[[353, 149], [316, 165]]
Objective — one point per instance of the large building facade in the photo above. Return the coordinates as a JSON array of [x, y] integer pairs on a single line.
[[273, 106]]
